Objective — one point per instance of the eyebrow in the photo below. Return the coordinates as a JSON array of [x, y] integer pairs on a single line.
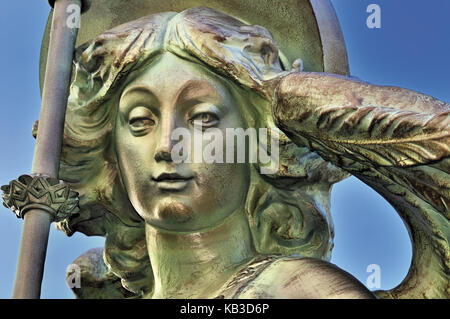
[[139, 88], [195, 90]]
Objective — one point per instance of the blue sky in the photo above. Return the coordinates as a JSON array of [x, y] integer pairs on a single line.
[[410, 50]]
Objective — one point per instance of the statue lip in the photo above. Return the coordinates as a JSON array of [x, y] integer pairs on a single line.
[[172, 181], [171, 178]]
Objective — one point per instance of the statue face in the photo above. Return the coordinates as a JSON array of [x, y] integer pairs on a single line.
[[170, 94]]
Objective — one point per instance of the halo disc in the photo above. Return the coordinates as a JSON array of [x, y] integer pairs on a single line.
[[306, 29]]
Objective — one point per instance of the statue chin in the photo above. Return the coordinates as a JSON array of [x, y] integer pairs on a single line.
[[170, 215]]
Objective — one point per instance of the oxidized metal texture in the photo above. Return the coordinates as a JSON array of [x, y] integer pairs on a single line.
[[285, 213], [306, 29], [94, 275], [158, 244], [38, 192], [292, 277], [395, 140]]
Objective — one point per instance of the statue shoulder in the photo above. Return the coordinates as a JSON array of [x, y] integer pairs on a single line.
[[89, 278], [301, 278]]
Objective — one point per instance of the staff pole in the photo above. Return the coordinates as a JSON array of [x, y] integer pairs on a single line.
[[37, 219]]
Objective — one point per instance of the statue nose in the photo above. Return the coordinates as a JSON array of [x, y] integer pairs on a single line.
[[164, 148], [163, 155]]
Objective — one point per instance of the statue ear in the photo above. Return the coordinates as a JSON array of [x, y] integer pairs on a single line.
[[292, 226], [277, 225]]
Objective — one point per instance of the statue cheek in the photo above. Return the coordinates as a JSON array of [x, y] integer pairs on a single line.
[[224, 185]]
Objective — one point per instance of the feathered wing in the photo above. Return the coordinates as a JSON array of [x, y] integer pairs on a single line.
[[395, 140]]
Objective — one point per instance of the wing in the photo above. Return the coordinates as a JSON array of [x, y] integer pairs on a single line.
[[395, 140]]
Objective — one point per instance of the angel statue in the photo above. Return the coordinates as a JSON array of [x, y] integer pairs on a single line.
[[225, 229]]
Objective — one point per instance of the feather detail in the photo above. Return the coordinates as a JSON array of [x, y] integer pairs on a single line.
[[396, 141]]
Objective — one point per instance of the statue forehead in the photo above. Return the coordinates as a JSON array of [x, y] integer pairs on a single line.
[[169, 74]]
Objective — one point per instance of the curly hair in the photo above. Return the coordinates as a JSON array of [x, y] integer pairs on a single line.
[[288, 211]]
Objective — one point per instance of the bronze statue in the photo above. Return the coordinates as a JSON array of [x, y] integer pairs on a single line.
[[225, 230]]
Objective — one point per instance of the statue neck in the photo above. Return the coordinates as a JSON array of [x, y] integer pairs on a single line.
[[196, 265]]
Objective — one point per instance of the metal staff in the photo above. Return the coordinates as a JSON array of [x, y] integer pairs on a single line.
[[37, 219]]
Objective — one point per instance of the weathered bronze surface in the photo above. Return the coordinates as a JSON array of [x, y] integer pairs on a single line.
[[225, 230], [396, 141], [49, 194], [302, 28]]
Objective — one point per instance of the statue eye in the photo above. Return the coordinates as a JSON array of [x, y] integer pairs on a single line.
[[141, 120], [206, 119], [141, 124]]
